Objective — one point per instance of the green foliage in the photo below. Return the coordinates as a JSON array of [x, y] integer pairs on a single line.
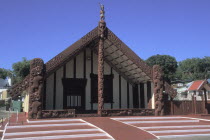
[[195, 68], [168, 64], [20, 70], [3, 73], [187, 70]]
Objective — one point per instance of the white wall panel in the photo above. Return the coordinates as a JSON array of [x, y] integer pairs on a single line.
[[131, 95], [70, 69], [107, 106], [123, 93], [145, 95], [116, 90], [95, 106], [49, 92], [95, 63], [153, 97], [80, 65], [107, 69], [59, 89]]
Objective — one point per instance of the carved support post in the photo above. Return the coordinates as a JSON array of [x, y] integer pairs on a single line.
[[172, 107], [158, 90], [102, 36], [36, 88], [100, 76], [205, 102], [195, 103]]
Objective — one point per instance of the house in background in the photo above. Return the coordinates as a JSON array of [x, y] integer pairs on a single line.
[[182, 91], [198, 89], [194, 89], [4, 85]]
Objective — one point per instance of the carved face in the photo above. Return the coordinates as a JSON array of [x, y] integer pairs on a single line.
[[36, 71], [36, 62], [102, 25]]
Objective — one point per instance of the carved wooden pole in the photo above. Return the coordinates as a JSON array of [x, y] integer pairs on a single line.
[[158, 90], [101, 33], [195, 105], [205, 103], [36, 88], [172, 107], [100, 77]]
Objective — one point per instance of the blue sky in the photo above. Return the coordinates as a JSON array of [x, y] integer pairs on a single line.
[[44, 28]]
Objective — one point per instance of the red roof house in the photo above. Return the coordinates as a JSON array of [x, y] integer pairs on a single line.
[[197, 85]]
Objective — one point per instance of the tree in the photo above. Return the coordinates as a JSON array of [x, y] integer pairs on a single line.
[[195, 68], [168, 64], [20, 70], [3, 73], [206, 66]]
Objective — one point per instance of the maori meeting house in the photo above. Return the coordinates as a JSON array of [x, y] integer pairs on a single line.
[[97, 75]]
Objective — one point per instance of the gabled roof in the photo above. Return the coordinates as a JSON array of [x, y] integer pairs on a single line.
[[196, 85], [117, 54]]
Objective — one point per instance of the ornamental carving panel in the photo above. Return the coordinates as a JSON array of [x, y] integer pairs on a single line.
[[128, 112], [58, 113], [36, 88], [158, 90]]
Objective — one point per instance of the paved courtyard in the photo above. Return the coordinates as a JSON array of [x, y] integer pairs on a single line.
[[169, 127], [104, 128]]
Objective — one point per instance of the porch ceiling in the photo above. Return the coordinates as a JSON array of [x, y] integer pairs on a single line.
[[122, 64]]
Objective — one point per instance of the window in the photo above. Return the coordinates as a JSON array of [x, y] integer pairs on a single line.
[[200, 93], [108, 88], [184, 94]]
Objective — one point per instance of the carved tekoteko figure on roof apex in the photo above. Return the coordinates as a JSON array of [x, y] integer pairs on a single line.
[[158, 90], [102, 24], [102, 12], [36, 88]]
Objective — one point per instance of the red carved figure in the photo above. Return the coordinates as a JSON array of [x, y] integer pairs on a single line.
[[158, 90], [36, 88]]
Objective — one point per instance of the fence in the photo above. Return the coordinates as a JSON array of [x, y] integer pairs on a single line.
[[184, 107]]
